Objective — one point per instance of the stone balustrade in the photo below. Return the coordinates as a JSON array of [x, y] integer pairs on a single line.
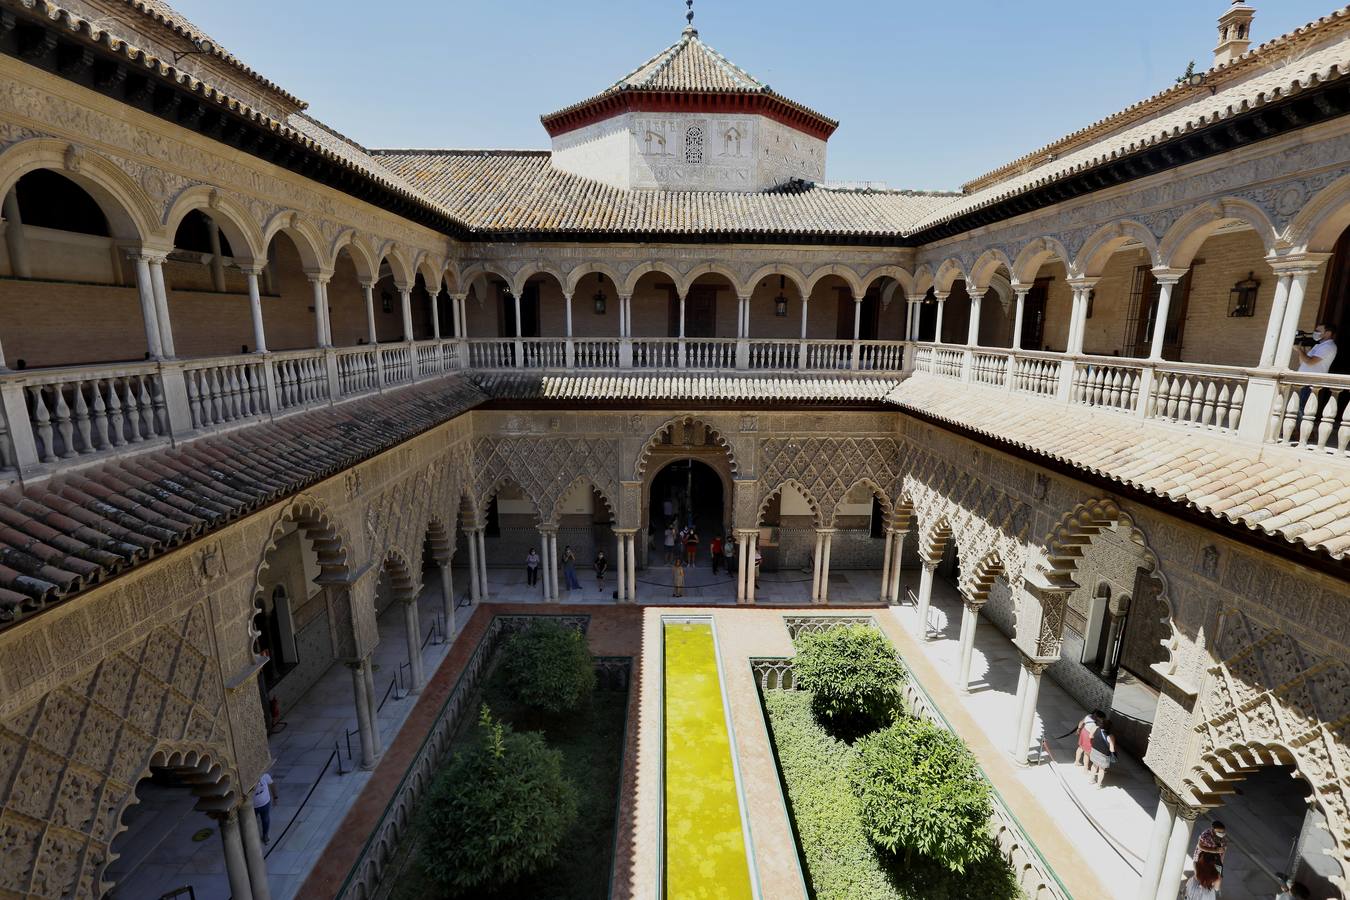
[[63, 416]]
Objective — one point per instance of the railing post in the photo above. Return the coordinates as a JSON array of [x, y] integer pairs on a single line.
[[911, 352], [1010, 372], [1064, 391], [20, 428], [1147, 376], [331, 367], [967, 365], [270, 384], [1259, 405], [176, 409]]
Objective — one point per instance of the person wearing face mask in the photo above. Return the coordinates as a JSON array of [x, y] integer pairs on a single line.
[[1212, 845], [1319, 357]]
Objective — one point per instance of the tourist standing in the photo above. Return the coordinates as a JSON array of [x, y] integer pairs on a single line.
[[601, 567], [570, 569], [1213, 843], [715, 554], [690, 547], [677, 576], [1103, 753], [1204, 884], [669, 540], [263, 795], [532, 567], [729, 551], [1083, 735], [759, 561]]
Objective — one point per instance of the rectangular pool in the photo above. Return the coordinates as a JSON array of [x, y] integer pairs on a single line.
[[704, 832]]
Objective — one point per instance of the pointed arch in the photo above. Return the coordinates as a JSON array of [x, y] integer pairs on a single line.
[[1063, 546], [495, 487], [630, 283], [975, 587], [876, 491], [817, 513], [402, 578], [933, 541], [1105, 241], [302, 233], [1183, 240], [234, 221], [555, 514], [320, 527], [640, 469], [1036, 254], [130, 212]]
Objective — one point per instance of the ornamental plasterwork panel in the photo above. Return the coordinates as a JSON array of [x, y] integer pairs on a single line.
[[828, 467], [545, 468], [1270, 698], [69, 764]]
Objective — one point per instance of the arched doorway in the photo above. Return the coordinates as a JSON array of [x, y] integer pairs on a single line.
[[687, 493]]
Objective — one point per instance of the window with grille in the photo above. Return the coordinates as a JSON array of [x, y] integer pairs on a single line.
[[693, 144]]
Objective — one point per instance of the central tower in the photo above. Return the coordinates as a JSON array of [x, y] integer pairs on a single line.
[[689, 119]]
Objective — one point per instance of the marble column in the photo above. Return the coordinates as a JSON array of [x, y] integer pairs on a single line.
[[364, 726], [405, 301], [251, 274], [1167, 282], [1163, 819], [925, 596], [1017, 317], [149, 313], [435, 314], [816, 559], [316, 284], [483, 591], [236, 864], [621, 564], [743, 565], [898, 551], [937, 327], [973, 328], [373, 703], [1298, 288], [632, 567], [826, 549], [970, 618], [368, 291], [253, 851], [1029, 687], [1174, 863], [751, 553], [475, 592], [162, 304], [885, 593], [448, 597], [413, 627]]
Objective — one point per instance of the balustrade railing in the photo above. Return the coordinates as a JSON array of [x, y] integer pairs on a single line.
[[221, 392], [1037, 375], [881, 356], [990, 368], [1111, 385], [1310, 414], [775, 355], [544, 353], [85, 412], [492, 354], [358, 370], [948, 362], [709, 353], [301, 377], [1197, 398], [829, 354], [656, 353], [396, 364], [595, 353]]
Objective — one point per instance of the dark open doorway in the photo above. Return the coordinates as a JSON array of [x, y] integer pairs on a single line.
[[687, 492]]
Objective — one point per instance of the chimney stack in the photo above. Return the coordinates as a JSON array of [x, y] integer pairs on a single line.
[[1235, 32]]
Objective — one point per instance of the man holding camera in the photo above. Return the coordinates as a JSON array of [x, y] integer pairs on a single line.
[[1318, 354]]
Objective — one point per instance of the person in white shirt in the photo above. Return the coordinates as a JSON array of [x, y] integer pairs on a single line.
[[263, 795], [1320, 356]]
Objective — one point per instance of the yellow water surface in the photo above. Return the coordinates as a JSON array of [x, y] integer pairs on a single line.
[[705, 850]]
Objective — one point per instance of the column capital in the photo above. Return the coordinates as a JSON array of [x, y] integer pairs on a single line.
[[975, 292], [1167, 275], [462, 296], [1166, 794], [744, 298], [625, 532], [320, 276], [941, 296], [403, 288], [1034, 665], [930, 564], [368, 284], [226, 816], [915, 298], [549, 529], [1302, 264], [153, 255], [973, 605], [826, 530], [746, 532], [1021, 288], [1083, 283], [251, 268]]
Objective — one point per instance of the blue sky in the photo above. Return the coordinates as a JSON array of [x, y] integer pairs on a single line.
[[929, 94]]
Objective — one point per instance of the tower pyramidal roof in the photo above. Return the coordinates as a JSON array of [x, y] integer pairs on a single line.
[[688, 75]]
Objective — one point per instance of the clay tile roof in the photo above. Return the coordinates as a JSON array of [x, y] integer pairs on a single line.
[[1279, 493], [765, 389], [64, 535], [689, 66], [521, 191]]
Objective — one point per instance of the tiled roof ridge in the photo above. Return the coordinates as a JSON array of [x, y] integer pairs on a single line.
[[1339, 18], [184, 28], [458, 151], [333, 131]]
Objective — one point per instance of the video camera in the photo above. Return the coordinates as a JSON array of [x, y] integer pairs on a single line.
[[1304, 339]]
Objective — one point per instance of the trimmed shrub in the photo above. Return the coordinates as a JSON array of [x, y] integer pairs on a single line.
[[920, 790], [853, 674], [496, 813], [549, 668]]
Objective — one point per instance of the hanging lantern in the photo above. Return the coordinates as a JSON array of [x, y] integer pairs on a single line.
[[600, 299], [780, 302], [1242, 298]]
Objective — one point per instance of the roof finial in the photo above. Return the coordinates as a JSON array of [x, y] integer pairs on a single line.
[[689, 18]]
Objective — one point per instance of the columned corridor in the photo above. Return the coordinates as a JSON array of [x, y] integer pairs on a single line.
[[169, 857]]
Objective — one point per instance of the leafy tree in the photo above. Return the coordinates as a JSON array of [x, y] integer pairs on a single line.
[[549, 668], [497, 812], [854, 675], [920, 789]]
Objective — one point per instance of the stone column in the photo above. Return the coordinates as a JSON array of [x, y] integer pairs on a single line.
[[941, 299], [368, 290], [255, 307], [156, 262], [1112, 635], [817, 559], [316, 284], [752, 549], [363, 724], [405, 301], [857, 318], [435, 313], [632, 567], [458, 311], [373, 703], [546, 562], [413, 627], [1082, 289], [1167, 282], [448, 597], [236, 865], [970, 618], [1019, 311], [973, 328], [1029, 687], [149, 314], [482, 566], [741, 558], [622, 565], [569, 348], [826, 547], [1276, 320], [925, 596], [884, 595], [253, 851], [1298, 287], [1174, 863], [475, 597], [898, 550], [1163, 820], [909, 319]]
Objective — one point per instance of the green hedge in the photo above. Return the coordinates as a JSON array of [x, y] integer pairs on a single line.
[[839, 860], [549, 667], [853, 674]]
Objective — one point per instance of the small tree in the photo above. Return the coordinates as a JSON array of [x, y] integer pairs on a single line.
[[853, 674], [549, 668], [920, 790], [497, 812]]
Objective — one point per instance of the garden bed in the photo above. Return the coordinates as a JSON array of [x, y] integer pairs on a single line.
[[838, 860], [592, 744]]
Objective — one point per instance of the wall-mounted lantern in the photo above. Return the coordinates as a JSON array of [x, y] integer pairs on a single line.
[[780, 302], [600, 299], [386, 301], [1242, 298]]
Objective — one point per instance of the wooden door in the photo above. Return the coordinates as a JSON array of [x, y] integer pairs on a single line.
[[1033, 315], [700, 312]]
